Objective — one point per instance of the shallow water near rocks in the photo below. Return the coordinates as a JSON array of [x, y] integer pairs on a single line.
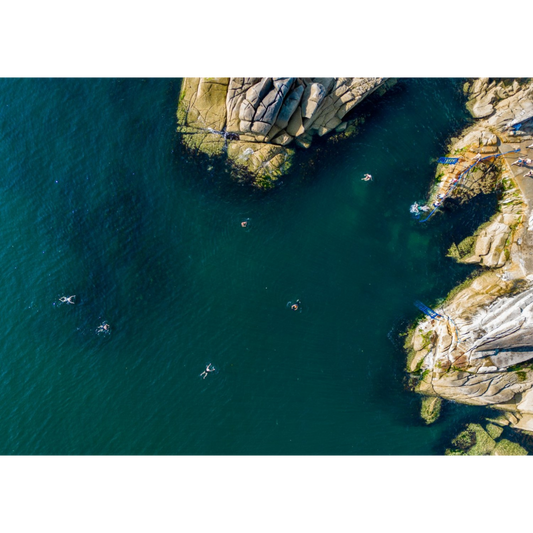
[[99, 200]]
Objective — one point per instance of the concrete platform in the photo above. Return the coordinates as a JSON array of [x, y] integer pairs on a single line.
[[526, 186]]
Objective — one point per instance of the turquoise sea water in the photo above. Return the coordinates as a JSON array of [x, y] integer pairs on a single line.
[[99, 200]]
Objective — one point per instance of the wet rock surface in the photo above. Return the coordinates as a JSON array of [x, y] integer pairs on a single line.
[[476, 440]]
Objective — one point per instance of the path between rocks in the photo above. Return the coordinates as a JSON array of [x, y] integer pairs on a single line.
[[526, 186]]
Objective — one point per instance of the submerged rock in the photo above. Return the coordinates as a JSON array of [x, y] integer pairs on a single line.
[[474, 440], [430, 410], [269, 115]]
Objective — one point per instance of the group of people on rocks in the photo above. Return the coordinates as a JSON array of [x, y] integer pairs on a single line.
[[522, 162], [525, 162]]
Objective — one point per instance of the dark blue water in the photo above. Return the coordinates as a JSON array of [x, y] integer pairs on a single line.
[[99, 200]]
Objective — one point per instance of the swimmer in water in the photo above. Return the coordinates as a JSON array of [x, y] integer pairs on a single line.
[[69, 300], [103, 328], [208, 368], [244, 223], [367, 177], [296, 305]]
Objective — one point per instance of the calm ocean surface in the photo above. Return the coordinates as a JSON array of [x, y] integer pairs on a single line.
[[99, 200]]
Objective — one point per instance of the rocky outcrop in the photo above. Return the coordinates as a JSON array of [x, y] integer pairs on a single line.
[[491, 244], [503, 100], [258, 121], [479, 350], [476, 440], [430, 409]]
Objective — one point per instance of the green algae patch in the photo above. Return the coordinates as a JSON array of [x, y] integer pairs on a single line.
[[475, 440], [431, 410]]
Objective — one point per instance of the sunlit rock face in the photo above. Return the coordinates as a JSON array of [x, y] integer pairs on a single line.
[[258, 121], [479, 350]]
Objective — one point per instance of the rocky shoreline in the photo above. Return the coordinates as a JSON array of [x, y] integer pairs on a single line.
[[479, 349], [257, 122]]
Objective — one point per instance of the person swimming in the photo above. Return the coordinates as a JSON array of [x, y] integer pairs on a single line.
[[104, 327], [69, 300], [296, 305], [246, 223], [367, 177], [209, 368]]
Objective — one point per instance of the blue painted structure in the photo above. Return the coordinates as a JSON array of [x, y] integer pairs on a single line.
[[427, 310], [448, 160]]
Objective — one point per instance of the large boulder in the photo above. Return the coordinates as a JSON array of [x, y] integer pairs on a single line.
[[267, 111]]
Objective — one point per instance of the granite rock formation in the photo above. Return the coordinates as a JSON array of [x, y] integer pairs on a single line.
[[258, 121], [479, 351], [500, 101]]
